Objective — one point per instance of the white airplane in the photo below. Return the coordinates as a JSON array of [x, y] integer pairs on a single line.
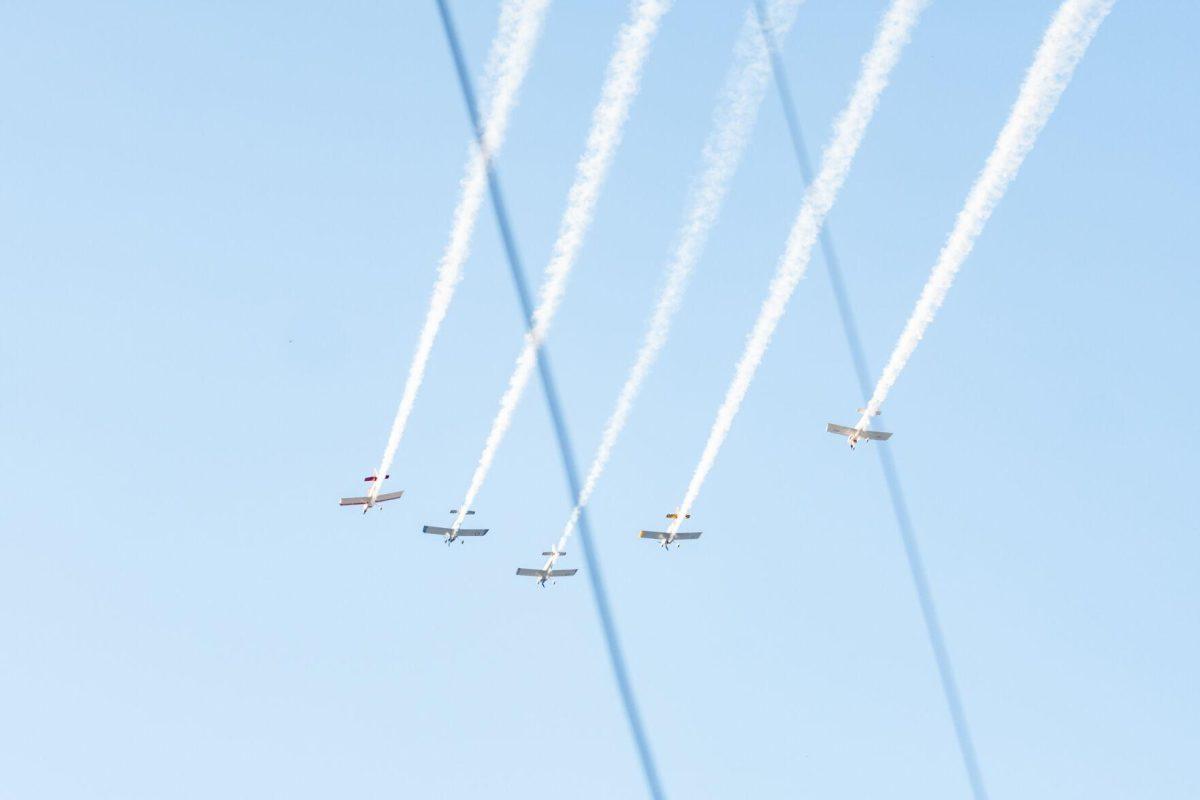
[[666, 538], [547, 571], [855, 435], [369, 501], [452, 534]]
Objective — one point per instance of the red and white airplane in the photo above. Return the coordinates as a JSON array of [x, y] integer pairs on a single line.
[[855, 435], [372, 498]]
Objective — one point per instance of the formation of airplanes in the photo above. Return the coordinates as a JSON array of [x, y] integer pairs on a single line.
[[547, 572]]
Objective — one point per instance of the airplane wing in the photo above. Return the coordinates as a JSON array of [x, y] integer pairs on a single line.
[[353, 501], [561, 573], [652, 535], [840, 430], [531, 573], [691, 535], [876, 436], [379, 498], [434, 529]]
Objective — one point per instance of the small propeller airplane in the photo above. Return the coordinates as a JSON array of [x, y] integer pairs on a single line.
[[668, 538], [371, 499], [855, 435], [547, 571], [451, 534]]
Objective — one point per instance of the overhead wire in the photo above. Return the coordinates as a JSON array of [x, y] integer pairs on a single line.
[[566, 451], [908, 536]]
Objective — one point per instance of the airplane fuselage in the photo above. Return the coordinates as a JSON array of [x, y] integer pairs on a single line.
[[549, 565]]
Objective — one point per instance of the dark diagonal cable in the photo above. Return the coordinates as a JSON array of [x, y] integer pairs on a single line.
[[599, 593], [937, 641]]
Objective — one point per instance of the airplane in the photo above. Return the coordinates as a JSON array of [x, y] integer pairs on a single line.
[[370, 500], [547, 571], [667, 538], [854, 435], [452, 534], [455, 511]]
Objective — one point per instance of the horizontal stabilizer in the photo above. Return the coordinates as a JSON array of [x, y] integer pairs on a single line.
[[652, 535], [555, 553], [380, 498], [455, 511], [863, 411], [562, 573], [353, 501], [525, 572]]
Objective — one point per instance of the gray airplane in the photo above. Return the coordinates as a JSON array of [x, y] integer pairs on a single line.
[[547, 571], [451, 534], [855, 435]]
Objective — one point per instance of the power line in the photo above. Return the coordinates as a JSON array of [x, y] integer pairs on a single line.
[[591, 557], [916, 565]]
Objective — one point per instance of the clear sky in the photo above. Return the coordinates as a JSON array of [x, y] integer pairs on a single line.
[[219, 225]]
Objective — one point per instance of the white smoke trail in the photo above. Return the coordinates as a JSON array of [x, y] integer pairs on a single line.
[[848, 130], [621, 83], [733, 120], [1062, 47], [508, 62]]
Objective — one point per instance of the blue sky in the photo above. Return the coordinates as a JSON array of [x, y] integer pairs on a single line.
[[219, 225]]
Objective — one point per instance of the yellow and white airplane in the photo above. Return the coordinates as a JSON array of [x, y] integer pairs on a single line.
[[667, 538]]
